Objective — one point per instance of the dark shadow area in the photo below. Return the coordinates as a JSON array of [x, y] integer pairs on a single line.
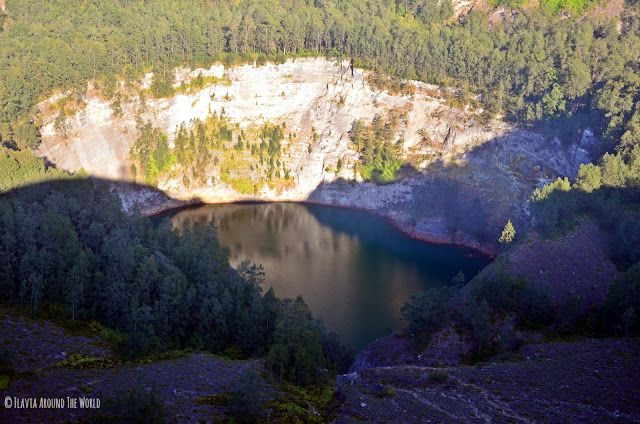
[[468, 201], [616, 210], [553, 282]]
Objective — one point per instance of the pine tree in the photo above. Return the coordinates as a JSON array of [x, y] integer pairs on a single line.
[[508, 233]]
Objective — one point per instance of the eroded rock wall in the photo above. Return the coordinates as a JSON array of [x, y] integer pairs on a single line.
[[467, 175]]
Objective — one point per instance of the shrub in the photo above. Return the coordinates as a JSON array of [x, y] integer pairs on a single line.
[[425, 313], [622, 305], [506, 295], [244, 403]]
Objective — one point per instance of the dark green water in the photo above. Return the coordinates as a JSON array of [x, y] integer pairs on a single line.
[[354, 269]]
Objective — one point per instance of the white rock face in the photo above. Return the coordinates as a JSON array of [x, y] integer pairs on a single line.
[[491, 159], [306, 95]]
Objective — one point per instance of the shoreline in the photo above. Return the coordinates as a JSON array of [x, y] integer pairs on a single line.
[[485, 251]]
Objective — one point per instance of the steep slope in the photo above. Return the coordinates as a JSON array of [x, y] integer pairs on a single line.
[[466, 174]]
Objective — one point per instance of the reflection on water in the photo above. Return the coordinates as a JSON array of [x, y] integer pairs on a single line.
[[353, 269]]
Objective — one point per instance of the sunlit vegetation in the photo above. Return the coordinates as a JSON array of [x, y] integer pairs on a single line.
[[21, 168], [574, 60], [380, 154], [201, 81], [213, 151], [607, 192], [73, 253], [579, 72], [152, 154], [552, 6]]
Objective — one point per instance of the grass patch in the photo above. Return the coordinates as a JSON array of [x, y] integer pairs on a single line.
[[163, 356], [81, 361], [242, 185], [202, 81], [218, 399], [113, 337], [553, 6], [301, 405]]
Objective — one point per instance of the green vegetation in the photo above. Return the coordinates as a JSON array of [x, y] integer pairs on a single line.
[[380, 155], [298, 345], [482, 308], [552, 6], [475, 311], [577, 65], [152, 154], [20, 168], [425, 313], [204, 147], [69, 251], [298, 405], [219, 399], [607, 193], [564, 74], [82, 361], [244, 403], [621, 310], [6, 368], [67, 248], [508, 233]]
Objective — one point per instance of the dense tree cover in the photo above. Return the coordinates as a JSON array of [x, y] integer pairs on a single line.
[[380, 154], [22, 167], [68, 249], [552, 6], [608, 193], [532, 66], [484, 310]]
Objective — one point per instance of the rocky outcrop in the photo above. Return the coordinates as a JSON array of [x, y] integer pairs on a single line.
[[465, 176]]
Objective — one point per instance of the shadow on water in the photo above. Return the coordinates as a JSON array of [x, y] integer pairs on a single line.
[[353, 268]]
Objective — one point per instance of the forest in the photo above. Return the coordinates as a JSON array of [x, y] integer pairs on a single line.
[[69, 251], [579, 69]]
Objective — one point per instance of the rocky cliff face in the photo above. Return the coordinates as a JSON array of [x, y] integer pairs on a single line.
[[465, 175]]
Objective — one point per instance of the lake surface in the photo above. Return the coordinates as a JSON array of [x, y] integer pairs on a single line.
[[354, 269]]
